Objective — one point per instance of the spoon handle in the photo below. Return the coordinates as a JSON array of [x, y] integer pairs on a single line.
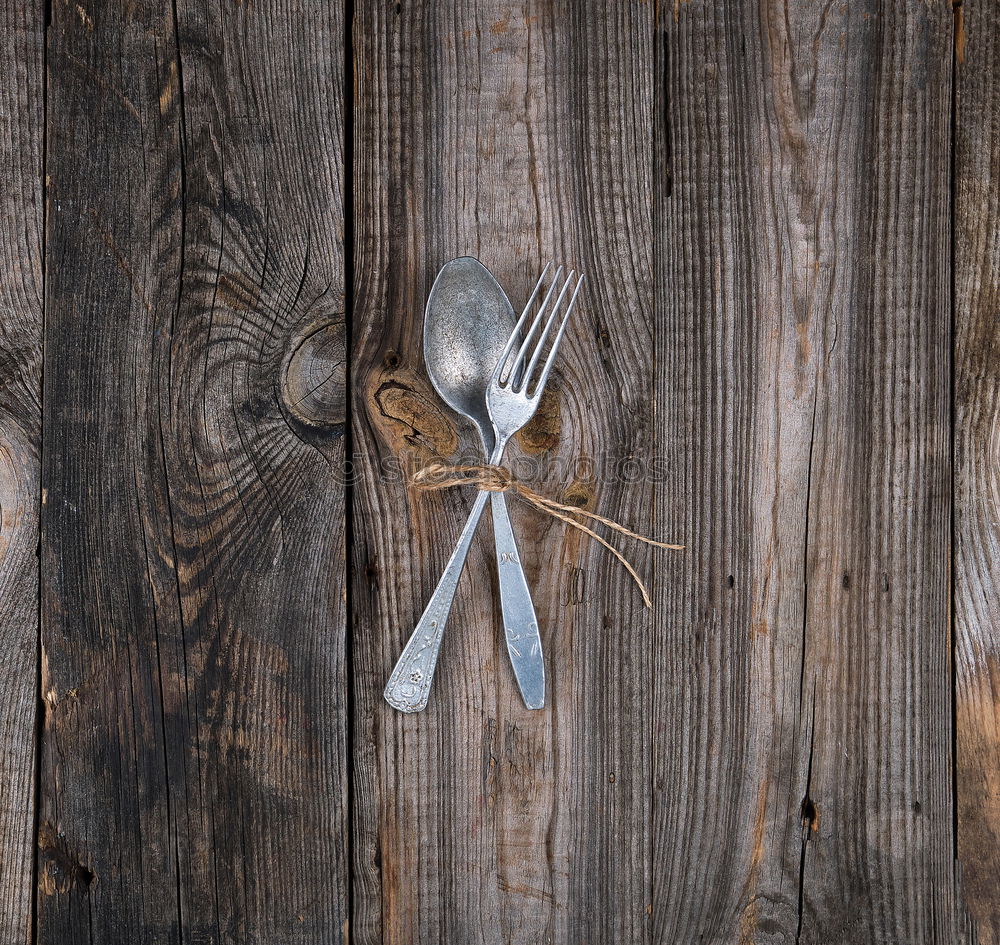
[[410, 683], [519, 622]]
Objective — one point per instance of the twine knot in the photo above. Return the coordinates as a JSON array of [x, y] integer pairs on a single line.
[[437, 476]]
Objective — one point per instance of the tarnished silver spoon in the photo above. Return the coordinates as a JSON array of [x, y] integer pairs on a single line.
[[467, 323]]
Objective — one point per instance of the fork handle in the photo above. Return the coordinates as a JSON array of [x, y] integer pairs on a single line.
[[410, 683], [519, 622]]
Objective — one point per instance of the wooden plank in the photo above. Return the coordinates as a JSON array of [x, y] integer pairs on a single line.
[[516, 132], [977, 481], [802, 782], [193, 782], [21, 280]]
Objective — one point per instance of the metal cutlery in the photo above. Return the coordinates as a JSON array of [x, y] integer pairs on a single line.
[[467, 322], [512, 396]]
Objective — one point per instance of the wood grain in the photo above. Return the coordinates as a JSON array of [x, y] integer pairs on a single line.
[[21, 280], [802, 780], [786, 358], [977, 461], [194, 756], [519, 133]]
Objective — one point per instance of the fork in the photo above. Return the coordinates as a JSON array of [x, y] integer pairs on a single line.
[[513, 394]]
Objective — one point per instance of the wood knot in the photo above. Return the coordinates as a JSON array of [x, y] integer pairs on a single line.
[[579, 493], [541, 433], [810, 814], [406, 412], [60, 868], [315, 382]]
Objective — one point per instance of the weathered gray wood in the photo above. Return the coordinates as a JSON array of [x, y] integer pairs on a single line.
[[802, 778], [194, 758], [761, 194], [21, 278], [977, 461], [518, 133]]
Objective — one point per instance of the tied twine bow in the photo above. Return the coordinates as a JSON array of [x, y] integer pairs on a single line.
[[439, 476]]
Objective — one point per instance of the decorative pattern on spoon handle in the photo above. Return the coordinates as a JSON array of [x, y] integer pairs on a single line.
[[409, 685]]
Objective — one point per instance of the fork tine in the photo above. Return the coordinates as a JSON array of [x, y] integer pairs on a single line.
[[498, 370], [530, 370], [540, 386], [518, 362]]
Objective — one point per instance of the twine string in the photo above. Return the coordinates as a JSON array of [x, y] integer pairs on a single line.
[[438, 476]]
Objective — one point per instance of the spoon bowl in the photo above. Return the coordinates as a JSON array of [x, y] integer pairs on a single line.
[[460, 351]]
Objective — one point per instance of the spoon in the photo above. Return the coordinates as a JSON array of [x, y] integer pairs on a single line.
[[467, 323]]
